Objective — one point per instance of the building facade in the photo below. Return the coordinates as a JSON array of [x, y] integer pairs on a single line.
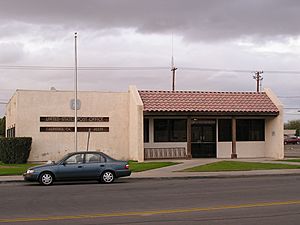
[[112, 119], [141, 125]]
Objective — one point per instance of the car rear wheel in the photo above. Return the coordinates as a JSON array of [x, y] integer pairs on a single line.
[[46, 179], [107, 177]]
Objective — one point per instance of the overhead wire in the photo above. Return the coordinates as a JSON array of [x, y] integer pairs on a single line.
[[137, 68], [203, 69], [83, 68]]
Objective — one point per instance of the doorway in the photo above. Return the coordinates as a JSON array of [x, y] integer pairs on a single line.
[[203, 144]]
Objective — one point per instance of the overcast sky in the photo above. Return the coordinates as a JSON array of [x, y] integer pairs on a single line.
[[227, 35]]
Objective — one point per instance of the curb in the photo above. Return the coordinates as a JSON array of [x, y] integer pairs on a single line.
[[222, 176], [225, 176], [11, 181]]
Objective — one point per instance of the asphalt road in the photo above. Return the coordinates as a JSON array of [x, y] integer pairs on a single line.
[[257, 200]]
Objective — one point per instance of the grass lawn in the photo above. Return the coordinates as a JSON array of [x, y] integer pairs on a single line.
[[19, 169], [14, 169], [138, 167], [239, 166]]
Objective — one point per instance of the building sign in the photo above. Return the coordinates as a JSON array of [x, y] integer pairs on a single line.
[[72, 104], [72, 129], [71, 119]]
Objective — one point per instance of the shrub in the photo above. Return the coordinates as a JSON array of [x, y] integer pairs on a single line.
[[15, 150]]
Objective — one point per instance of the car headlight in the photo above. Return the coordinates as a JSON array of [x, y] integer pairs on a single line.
[[30, 171]]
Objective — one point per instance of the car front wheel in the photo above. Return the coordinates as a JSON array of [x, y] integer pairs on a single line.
[[107, 177], [46, 179]]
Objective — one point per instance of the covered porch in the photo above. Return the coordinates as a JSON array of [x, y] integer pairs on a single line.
[[248, 128]]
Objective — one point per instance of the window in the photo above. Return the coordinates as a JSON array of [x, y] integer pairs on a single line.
[[75, 159], [250, 129], [11, 132], [225, 130], [146, 130], [170, 130], [94, 158]]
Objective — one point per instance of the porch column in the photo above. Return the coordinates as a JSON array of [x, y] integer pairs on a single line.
[[189, 138], [233, 148]]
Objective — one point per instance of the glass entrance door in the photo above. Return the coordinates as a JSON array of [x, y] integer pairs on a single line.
[[203, 139]]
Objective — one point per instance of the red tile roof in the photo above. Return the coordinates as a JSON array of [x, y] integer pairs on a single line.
[[208, 102]]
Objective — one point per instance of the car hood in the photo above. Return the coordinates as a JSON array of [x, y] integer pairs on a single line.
[[42, 166]]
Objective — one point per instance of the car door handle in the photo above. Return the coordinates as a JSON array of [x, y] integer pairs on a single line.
[[79, 166], [101, 165]]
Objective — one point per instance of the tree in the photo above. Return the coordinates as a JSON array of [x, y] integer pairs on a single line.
[[293, 124]]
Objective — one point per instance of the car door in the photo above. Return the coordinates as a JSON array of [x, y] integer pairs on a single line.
[[94, 165], [71, 168]]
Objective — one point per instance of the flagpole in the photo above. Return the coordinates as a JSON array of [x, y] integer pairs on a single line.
[[75, 92]]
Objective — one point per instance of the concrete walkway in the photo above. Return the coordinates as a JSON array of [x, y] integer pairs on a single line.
[[172, 171]]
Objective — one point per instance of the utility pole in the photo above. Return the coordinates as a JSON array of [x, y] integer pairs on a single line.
[[173, 68], [173, 77], [75, 92], [258, 77]]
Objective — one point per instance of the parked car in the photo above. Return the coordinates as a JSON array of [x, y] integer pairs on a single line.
[[79, 166], [292, 140]]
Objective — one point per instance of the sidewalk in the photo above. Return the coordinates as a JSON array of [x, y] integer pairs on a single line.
[[172, 171]]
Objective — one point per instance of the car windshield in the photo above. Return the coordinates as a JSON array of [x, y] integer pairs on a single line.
[[63, 158]]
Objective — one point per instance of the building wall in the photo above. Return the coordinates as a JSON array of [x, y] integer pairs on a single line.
[[11, 108], [136, 118], [275, 130], [53, 145], [245, 149], [223, 150]]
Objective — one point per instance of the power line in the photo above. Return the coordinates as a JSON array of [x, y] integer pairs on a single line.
[[215, 70], [83, 68], [203, 69], [288, 96], [239, 70]]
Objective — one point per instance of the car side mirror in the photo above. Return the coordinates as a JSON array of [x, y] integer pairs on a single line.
[[64, 163]]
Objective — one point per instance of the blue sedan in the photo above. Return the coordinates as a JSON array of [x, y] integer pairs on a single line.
[[79, 166]]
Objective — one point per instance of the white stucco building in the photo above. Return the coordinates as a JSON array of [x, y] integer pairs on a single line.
[[141, 125]]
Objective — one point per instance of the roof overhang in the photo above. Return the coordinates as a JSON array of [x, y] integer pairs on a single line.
[[216, 114]]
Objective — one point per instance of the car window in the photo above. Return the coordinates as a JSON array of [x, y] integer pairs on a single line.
[[94, 158], [75, 159]]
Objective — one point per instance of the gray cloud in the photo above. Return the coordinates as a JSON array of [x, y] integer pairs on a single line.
[[194, 19], [138, 33]]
